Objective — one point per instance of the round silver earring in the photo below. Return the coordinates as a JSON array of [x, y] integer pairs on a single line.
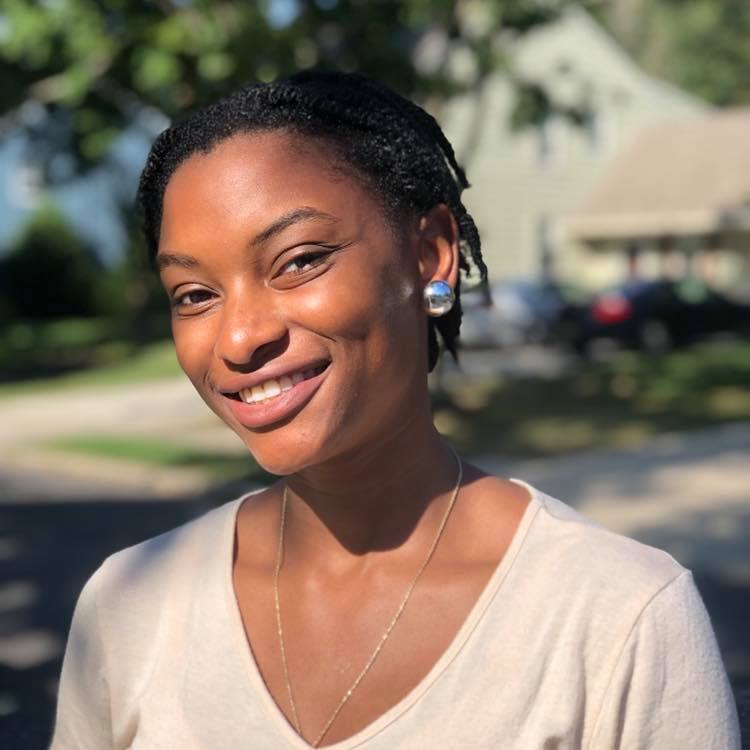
[[438, 298]]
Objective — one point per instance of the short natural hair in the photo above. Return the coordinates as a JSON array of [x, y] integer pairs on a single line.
[[397, 147]]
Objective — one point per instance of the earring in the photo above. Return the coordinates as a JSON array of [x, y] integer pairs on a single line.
[[438, 298]]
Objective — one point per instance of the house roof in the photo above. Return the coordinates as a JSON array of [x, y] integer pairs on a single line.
[[680, 177]]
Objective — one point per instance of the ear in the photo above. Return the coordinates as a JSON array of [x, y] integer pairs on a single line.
[[438, 249]]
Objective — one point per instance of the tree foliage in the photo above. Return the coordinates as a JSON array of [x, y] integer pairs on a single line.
[[76, 72], [50, 272], [701, 45]]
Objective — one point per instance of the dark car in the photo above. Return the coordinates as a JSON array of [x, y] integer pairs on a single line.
[[514, 313], [657, 315]]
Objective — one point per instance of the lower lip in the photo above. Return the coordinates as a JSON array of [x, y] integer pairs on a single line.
[[283, 406]]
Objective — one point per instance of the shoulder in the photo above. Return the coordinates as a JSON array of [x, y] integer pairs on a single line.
[[603, 575], [581, 542], [620, 615], [140, 586], [128, 612], [175, 551]]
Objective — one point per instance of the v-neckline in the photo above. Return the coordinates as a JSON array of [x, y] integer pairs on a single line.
[[258, 685]]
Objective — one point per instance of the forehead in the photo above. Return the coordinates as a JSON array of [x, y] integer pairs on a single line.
[[250, 178], [266, 166]]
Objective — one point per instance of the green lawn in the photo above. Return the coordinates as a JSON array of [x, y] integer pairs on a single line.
[[83, 352], [615, 404], [123, 362], [607, 405], [161, 453]]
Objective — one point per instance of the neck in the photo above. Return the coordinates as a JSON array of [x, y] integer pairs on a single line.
[[373, 499]]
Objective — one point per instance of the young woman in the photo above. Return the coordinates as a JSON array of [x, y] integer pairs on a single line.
[[383, 593]]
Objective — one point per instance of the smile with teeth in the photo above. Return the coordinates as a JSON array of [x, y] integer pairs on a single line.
[[275, 387]]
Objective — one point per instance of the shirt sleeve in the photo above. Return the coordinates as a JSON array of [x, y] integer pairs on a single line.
[[83, 711], [669, 689]]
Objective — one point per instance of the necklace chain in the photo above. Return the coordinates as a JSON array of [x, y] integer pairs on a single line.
[[388, 630]]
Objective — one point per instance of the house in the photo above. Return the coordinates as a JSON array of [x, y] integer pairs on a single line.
[[677, 199], [525, 182]]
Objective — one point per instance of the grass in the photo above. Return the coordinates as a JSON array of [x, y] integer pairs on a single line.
[[163, 454], [121, 362], [72, 352], [615, 404], [67, 332]]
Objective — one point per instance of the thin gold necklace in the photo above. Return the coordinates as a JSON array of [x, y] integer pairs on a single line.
[[388, 630]]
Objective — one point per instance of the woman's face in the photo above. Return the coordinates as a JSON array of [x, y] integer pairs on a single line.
[[296, 307]]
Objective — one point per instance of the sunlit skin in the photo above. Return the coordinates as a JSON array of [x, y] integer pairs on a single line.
[[273, 260]]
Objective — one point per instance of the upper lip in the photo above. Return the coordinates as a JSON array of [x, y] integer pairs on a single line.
[[271, 372]]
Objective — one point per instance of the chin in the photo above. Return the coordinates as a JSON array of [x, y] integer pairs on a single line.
[[283, 456]]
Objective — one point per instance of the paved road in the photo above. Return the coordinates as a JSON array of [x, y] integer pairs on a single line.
[[686, 493]]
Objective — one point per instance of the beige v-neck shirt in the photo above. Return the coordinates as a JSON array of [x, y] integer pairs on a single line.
[[582, 638]]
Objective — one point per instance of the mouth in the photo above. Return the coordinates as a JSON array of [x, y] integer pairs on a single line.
[[275, 401], [271, 389]]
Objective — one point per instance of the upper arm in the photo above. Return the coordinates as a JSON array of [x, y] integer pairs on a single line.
[[669, 688], [83, 709]]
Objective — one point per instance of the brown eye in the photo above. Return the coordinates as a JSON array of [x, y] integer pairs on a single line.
[[302, 263], [192, 298]]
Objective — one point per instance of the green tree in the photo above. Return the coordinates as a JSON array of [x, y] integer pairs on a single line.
[[94, 66], [50, 272], [701, 45]]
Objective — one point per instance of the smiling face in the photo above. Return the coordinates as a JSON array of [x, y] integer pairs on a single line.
[[296, 306]]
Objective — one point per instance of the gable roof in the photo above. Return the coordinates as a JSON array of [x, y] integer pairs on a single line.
[[679, 177], [576, 55]]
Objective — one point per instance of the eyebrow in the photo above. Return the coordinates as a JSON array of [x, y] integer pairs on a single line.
[[296, 215], [175, 259]]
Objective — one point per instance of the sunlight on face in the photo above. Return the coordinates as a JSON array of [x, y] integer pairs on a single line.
[[295, 310]]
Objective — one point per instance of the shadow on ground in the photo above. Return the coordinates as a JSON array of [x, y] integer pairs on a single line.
[[48, 550]]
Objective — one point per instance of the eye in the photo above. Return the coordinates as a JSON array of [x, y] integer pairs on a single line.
[[302, 263], [191, 298]]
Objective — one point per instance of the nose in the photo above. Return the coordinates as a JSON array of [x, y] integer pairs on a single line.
[[249, 325]]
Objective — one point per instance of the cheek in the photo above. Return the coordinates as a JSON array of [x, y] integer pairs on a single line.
[[377, 307], [194, 344]]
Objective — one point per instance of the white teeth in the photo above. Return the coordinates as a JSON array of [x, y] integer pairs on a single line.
[[285, 383], [272, 388], [246, 394]]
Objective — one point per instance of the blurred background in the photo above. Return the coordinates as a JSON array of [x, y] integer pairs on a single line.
[[608, 146]]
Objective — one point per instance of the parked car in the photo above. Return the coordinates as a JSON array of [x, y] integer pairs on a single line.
[[656, 315], [513, 313]]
